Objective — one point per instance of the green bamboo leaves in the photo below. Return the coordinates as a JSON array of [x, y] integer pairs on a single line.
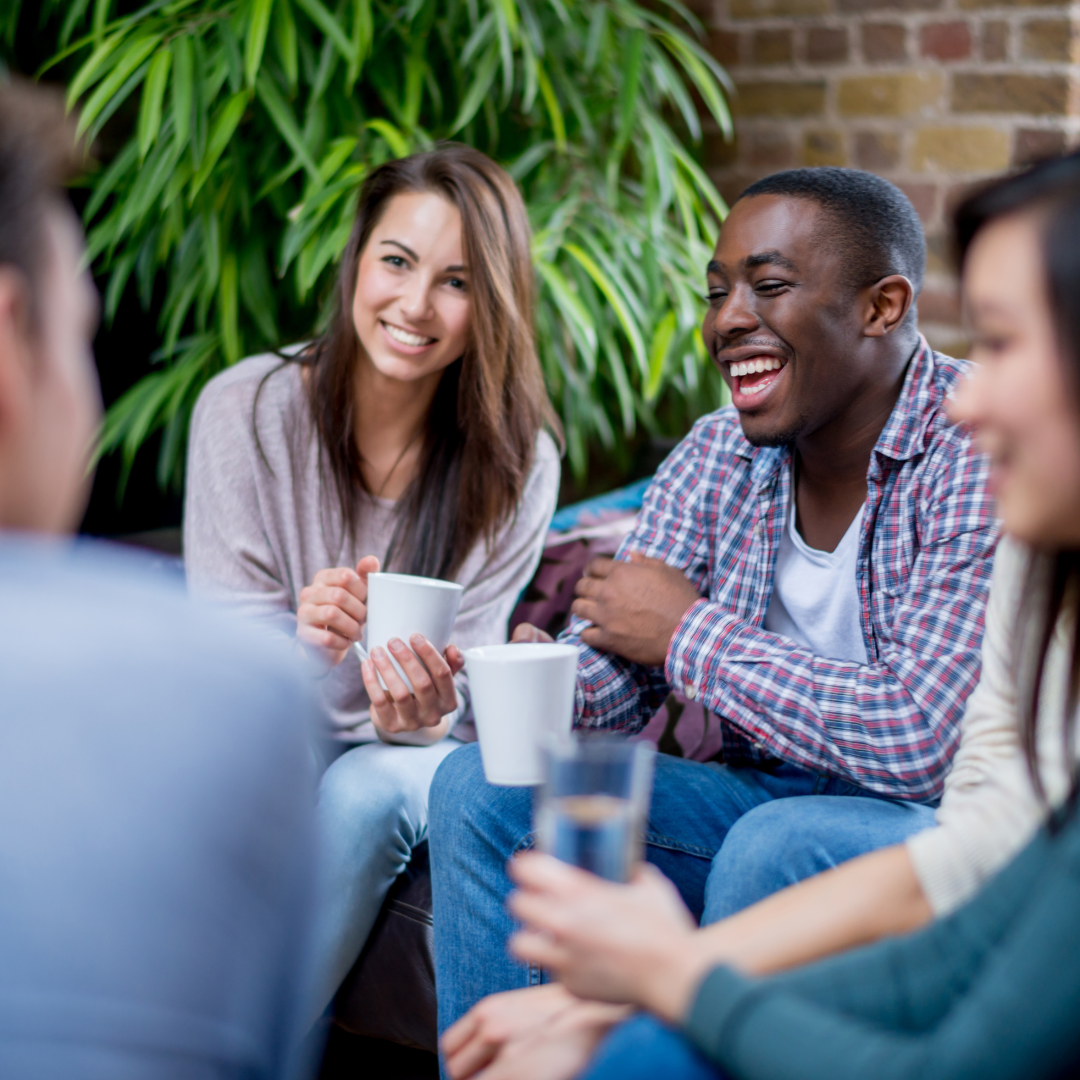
[[157, 77], [225, 122], [250, 124], [256, 38]]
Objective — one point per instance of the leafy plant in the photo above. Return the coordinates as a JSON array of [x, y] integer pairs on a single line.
[[247, 126]]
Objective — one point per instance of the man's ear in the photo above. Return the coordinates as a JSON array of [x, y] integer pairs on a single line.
[[16, 345], [890, 300]]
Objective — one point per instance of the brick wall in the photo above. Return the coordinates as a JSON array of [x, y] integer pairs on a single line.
[[932, 94]]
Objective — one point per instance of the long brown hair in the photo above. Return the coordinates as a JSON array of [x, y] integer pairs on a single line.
[[490, 405], [1052, 591]]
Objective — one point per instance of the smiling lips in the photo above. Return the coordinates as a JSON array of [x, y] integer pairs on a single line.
[[755, 375], [405, 337]]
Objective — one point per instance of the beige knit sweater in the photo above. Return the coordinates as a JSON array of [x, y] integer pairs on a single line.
[[258, 525]]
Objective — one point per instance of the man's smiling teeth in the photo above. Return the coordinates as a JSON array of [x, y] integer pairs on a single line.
[[405, 337], [762, 363]]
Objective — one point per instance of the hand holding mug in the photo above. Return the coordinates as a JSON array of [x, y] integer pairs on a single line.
[[396, 709], [333, 609]]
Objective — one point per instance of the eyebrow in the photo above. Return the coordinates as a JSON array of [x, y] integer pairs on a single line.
[[763, 258], [769, 258], [408, 250], [456, 269]]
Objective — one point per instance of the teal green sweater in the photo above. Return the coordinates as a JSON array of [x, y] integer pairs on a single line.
[[991, 992]]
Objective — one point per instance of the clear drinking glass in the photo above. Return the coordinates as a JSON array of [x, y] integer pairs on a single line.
[[594, 802]]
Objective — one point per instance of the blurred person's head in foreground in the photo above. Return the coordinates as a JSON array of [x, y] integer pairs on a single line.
[[1018, 243], [49, 397]]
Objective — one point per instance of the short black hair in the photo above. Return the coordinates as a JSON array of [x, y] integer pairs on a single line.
[[874, 223], [38, 156]]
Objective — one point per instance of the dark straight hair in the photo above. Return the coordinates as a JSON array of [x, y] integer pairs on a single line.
[[490, 405], [39, 154], [1050, 191]]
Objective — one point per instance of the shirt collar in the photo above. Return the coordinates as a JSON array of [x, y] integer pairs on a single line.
[[904, 435]]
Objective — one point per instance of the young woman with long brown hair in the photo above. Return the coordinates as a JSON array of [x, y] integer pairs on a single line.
[[414, 435]]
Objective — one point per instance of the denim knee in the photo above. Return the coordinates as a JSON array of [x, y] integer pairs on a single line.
[[641, 1049], [367, 795], [787, 840], [767, 849]]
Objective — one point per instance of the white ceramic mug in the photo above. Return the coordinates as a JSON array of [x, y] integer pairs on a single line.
[[399, 605], [520, 694]]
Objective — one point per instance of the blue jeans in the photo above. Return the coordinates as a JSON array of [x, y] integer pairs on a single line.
[[642, 1049], [726, 837], [372, 812]]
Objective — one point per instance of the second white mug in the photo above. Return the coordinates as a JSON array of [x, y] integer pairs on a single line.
[[520, 694]]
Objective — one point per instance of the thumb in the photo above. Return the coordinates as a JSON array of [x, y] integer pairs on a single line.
[[369, 564], [454, 659]]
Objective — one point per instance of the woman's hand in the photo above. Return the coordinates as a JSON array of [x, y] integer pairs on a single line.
[[333, 609], [633, 944], [475, 1040], [395, 710], [559, 1048]]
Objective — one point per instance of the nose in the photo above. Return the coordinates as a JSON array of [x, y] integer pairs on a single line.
[[736, 315], [415, 301]]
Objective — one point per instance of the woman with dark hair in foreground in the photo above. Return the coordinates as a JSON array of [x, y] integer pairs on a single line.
[[409, 437], [993, 989]]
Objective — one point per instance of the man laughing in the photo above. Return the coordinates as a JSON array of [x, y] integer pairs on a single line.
[[811, 563]]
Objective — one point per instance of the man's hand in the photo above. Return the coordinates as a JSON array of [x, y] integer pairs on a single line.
[[525, 632], [634, 944], [558, 1049], [634, 606], [475, 1040]]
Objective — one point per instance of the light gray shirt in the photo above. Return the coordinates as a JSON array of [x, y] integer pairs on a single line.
[[815, 597], [157, 827], [259, 523]]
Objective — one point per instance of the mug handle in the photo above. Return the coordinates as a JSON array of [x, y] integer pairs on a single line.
[[361, 651]]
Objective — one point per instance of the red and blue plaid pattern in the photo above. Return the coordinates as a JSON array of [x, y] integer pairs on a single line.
[[717, 509]]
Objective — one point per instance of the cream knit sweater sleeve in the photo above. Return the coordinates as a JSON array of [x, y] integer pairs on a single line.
[[989, 809]]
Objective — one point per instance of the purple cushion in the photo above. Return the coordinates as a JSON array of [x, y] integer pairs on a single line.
[[579, 532]]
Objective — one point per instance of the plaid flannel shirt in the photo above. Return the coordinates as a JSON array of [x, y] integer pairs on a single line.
[[717, 510]]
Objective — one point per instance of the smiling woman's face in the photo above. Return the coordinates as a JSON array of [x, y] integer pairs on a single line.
[[1019, 400], [411, 308]]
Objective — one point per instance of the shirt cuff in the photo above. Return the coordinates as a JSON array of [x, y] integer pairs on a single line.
[[949, 870], [717, 999], [695, 646]]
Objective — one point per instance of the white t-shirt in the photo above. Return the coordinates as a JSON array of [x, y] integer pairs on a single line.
[[815, 598]]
